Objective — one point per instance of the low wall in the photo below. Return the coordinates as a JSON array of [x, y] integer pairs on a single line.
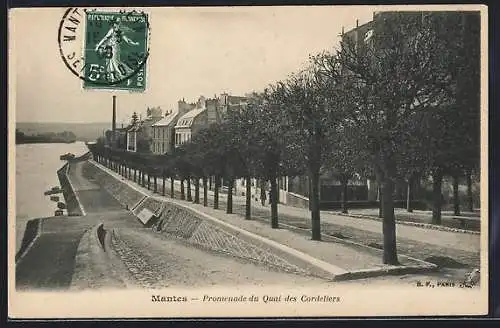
[[72, 205], [297, 200], [30, 233], [202, 231]]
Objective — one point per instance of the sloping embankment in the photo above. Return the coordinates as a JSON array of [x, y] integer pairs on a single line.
[[72, 204], [207, 233]]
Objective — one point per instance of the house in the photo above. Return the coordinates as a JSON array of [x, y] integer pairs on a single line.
[[164, 133], [132, 136], [140, 134], [191, 122], [153, 115]]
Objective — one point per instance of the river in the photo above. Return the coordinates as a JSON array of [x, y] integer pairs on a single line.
[[36, 166]]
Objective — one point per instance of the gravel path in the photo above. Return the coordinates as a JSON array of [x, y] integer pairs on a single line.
[[77, 178]]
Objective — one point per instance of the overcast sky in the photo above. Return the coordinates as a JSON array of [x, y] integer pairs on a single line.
[[193, 52]]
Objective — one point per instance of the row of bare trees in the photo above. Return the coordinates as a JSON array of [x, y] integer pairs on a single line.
[[398, 107]]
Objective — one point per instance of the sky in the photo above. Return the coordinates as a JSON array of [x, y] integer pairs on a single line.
[[193, 52]]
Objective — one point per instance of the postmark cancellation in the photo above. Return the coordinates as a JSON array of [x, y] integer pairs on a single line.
[[105, 49]]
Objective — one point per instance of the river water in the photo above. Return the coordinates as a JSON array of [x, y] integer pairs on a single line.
[[36, 166]]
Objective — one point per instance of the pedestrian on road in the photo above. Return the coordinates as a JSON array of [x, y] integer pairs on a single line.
[[263, 196]]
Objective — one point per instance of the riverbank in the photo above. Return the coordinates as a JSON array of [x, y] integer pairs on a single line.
[[36, 172]]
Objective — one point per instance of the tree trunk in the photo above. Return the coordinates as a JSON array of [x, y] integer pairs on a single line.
[[155, 184], [197, 191], [456, 200], [344, 196], [210, 183], [205, 192], [172, 187], [470, 200], [183, 195], [437, 183], [163, 185], [409, 195], [380, 200], [314, 204], [216, 192], [389, 224], [230, 187], [273, 198], [149, 182], [248, 195], [189, 198], [135, 175]]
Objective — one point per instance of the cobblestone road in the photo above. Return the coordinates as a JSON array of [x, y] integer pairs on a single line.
[[154, 261]]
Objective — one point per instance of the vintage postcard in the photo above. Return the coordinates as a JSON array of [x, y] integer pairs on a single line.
[[309, 161]]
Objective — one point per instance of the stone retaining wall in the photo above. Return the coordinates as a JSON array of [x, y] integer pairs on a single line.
[[201, 232], [72, 205]]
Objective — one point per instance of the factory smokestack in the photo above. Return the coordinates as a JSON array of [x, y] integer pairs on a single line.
[[114, 114], [113, 124]]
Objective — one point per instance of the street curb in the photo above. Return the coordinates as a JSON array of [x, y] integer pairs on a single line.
[[414, 224], [392, 270], [374, 272], [338, 274]]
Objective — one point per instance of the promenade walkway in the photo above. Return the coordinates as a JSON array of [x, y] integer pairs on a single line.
[[461, 241], [458, 249]]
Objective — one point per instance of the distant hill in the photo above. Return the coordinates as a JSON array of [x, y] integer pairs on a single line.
[[82, 131]]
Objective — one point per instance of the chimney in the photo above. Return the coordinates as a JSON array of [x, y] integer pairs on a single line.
[[342, 30], [357, 22], [113, 123]]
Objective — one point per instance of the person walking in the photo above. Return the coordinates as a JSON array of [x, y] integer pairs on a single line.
[[263, 195]]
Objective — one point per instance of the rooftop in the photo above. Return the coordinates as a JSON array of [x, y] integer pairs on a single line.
[[167, 120], [187, 119]]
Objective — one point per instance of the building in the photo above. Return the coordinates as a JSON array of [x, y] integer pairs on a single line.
[[192, 121], [132, 134], [153, 115], [164, 133], [228, 102], [139, 135]]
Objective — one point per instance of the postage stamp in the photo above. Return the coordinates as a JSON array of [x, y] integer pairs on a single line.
[[113, 47]]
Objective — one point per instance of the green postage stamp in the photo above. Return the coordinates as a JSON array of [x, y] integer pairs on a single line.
[[115, 50]]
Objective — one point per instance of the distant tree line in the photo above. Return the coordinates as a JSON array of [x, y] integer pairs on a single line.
[[48, 137]]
